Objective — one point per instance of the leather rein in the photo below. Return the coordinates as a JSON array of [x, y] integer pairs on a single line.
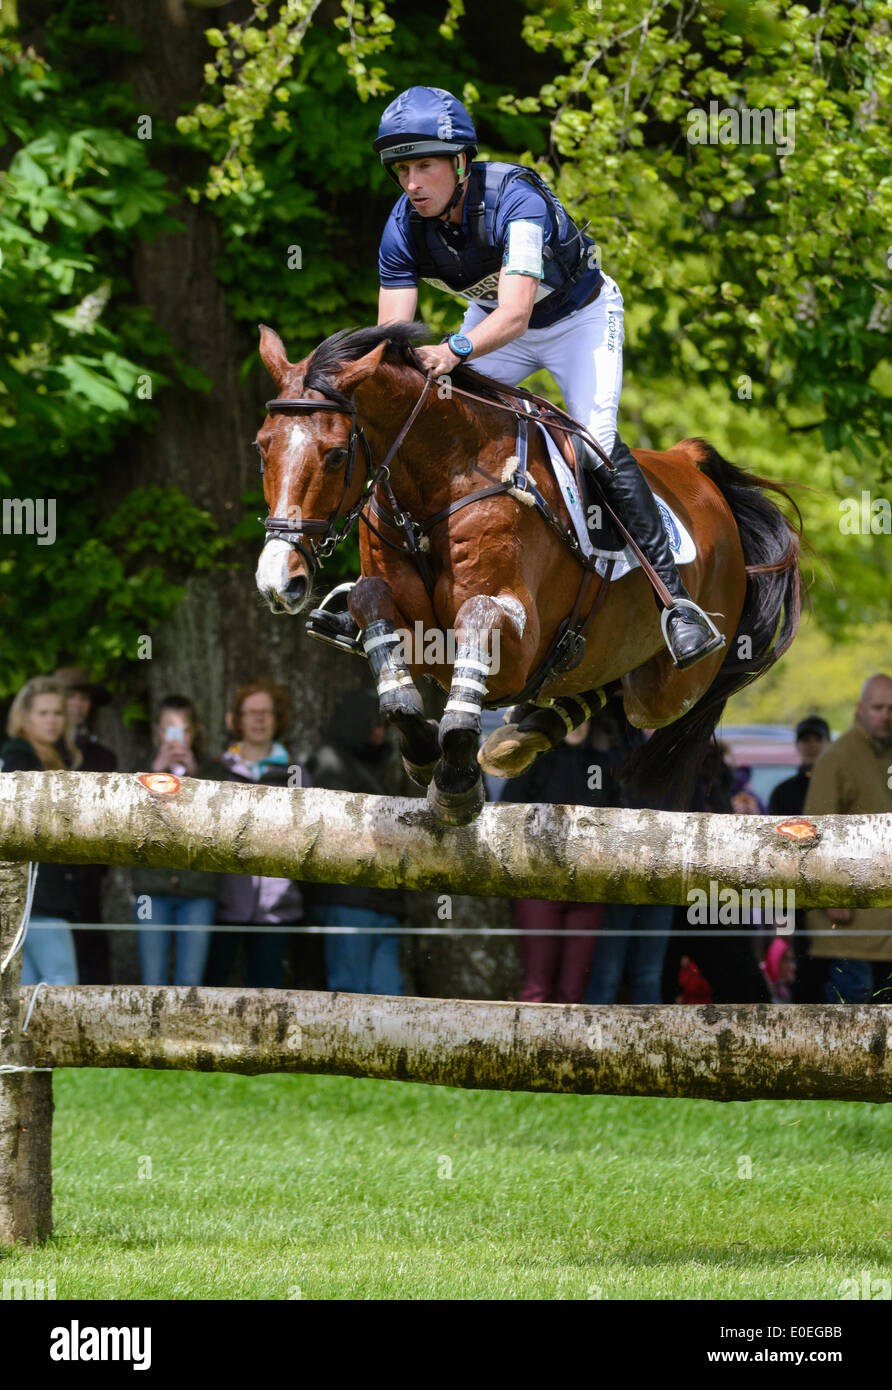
[[293, 529]]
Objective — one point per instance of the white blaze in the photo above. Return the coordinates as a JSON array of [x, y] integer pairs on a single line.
[[272, 568]]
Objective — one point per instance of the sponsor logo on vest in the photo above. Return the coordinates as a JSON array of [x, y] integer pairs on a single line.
[[487, 288]]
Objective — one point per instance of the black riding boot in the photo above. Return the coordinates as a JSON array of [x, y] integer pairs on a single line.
[[689, 634], [336, 627]]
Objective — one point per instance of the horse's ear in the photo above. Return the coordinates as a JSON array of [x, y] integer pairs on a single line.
[[355, 372], [273, 354]]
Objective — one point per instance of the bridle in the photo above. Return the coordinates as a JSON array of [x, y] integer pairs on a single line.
[[291, 530]]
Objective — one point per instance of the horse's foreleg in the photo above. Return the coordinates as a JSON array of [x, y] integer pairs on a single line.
[[371, 603], [483, 626]]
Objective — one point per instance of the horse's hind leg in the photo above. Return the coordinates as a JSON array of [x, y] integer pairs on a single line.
[[371, 603], [532, 729]]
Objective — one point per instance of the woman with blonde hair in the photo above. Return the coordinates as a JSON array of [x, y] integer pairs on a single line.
[[39, 740]]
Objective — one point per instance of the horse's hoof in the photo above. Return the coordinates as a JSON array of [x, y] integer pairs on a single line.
[[421, 773], [456, 808], [508, 752]]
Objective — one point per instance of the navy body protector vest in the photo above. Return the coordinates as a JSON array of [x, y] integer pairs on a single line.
[[564, 256]]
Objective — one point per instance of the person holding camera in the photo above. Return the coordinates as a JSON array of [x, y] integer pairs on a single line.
[[176, 897]]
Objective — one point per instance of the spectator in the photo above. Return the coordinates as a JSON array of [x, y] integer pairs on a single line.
[[180, 897], [635, 936], [355, 757], [259, 717], [575, 773], [788, 799], [39, 740], [852, 778], [82, 698], [812, 739], [694, 989], [744, 801], [729, 964], [779, 969]]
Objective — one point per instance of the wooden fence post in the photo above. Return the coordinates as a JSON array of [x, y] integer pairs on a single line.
[[26, 1097]]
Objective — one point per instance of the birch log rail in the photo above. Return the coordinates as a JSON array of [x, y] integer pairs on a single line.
[[714, 1052], [521, 851], [565, 852]]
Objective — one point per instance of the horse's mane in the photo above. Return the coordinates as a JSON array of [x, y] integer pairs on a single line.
[[350, 344]]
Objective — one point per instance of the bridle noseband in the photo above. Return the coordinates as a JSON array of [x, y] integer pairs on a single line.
[[291, 530]]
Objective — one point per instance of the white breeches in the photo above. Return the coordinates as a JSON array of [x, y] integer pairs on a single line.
[[583, 352]]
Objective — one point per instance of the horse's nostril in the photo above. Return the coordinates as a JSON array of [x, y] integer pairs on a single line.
[[296, 587]]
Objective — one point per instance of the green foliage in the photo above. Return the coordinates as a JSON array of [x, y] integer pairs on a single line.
[[769, 258], [81, 361], [250, 68], [70, 199]]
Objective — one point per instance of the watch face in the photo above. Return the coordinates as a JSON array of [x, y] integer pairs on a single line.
[[460, 344]]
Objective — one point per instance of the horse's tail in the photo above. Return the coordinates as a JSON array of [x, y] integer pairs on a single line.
[[667, 766]]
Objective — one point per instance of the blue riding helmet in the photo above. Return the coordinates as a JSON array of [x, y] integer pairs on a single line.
[[424, 120]]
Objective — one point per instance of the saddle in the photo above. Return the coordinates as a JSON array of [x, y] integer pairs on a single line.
[[602, 533]]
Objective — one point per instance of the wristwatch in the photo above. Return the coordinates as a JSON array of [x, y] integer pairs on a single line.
[[460, 344]]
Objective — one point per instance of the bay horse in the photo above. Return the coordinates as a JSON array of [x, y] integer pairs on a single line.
[[493, 576]]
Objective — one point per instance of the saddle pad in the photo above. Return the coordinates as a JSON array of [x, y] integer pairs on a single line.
[[681, 542]]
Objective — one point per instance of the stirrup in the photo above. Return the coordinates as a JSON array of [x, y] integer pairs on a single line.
[[322, 624], [718, 639]]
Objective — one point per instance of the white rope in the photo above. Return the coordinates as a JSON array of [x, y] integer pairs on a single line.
[[22, 932], [6, 1068], [37, 990]]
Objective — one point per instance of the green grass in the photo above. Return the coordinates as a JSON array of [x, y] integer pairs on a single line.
[[283, 1187]]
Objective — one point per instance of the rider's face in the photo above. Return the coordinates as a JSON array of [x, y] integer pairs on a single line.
[[429, 182]]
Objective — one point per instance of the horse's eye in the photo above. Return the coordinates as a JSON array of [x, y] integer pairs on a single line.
[[258, 447], [334, 458]]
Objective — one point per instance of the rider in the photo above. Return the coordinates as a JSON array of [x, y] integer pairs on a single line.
[[496, 235]]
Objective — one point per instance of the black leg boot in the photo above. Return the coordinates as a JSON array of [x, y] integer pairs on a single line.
[[689, 634]]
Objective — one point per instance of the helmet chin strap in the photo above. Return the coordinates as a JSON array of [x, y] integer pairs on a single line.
[[459, 186]]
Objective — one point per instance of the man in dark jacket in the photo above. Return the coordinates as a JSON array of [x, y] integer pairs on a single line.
[[356, 757], [812, 738]]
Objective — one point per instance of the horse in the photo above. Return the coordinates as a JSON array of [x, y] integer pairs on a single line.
[[451, 549]]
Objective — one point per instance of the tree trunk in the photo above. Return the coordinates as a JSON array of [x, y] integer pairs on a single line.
[[568, 853], [729, 1052]]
